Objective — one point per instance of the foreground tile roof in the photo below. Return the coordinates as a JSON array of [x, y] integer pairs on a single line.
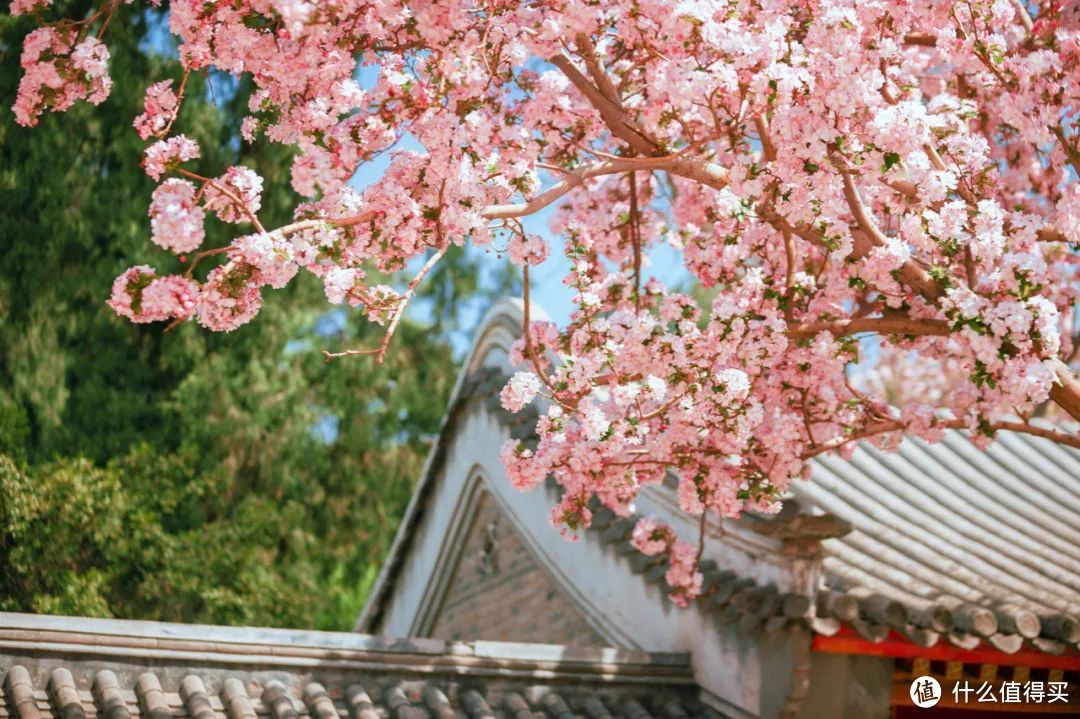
[[73, 668]]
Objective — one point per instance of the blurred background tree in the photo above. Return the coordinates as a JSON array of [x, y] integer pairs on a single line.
[[189, 476]]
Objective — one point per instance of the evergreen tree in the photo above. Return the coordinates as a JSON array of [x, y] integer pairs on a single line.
[[185, 476]]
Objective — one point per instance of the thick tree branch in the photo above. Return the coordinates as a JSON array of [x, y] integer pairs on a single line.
[[768, 149], [878, 325], [920, 39], [1067, 393], [596, 70], [1071, 151], [613, 115], [705, 172], [911, 274]]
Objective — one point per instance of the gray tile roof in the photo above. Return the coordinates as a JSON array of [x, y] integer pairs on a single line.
[[936, 542], [950, 540], [72, 668]]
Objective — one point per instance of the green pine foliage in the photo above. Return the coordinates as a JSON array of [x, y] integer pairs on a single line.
[[186, 476]]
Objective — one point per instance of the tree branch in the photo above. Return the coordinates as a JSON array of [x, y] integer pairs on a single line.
[[1067, 393], [1070, 152], [399, 312], [614, 116], [878, 428], [596, 70], [878, 325], [920, 39], [912, 275], [706, 172]]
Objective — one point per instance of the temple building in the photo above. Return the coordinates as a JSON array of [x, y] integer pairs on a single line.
[[938, 561]]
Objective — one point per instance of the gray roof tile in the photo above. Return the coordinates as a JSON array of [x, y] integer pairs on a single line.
[[975, 545], [71, 668]]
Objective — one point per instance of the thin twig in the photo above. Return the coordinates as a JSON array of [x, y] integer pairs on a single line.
[[399, 312], [635, 239], [225, 191]]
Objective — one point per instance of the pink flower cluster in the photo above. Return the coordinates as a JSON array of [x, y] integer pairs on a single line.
[[22, 7], [651, 537], [520, 390], [58, 72], [176, 219], [527, 249], [230, 297], [142, 296], [166, 154], [161, 105]]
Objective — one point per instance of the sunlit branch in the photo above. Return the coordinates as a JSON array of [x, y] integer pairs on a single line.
[[179, 104], [1071, 151], [228, 193], [877, 325], [596, 70], [1022, 15], [880, 428], [767, 146], [715, 175], [613, 115]]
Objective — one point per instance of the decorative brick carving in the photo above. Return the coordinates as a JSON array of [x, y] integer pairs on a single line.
[[500, 592]]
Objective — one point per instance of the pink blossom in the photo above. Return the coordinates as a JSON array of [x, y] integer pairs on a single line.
[[176, 219], [161, 105], [171, 297], [166, 154], [57, 72], [271, 255], [230, 298], [523, 468], [21, 7], [140, 295], [520, 390], [338, 282], [529, 249], [127, 295], [91, 58], [236, 196], [650, 537], [249, 127], [682, 574]]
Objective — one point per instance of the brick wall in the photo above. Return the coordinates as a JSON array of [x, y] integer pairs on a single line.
[[500, 592]]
